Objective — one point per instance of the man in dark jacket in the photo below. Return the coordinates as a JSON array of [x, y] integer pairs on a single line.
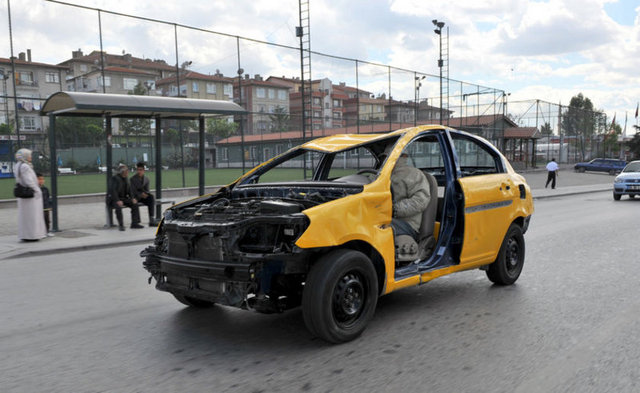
[[140, 191], [120, 196]]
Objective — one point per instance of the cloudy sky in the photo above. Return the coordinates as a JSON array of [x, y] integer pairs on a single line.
[[547, 50]]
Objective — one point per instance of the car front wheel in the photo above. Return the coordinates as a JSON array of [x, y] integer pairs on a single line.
[[340, 296], [616, 197], [507, 267]]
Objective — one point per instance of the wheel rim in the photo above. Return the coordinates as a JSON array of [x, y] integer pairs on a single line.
[[512, 256], [349, 298]]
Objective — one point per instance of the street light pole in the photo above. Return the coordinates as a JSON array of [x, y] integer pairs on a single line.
[[438, 31], [418, 83]]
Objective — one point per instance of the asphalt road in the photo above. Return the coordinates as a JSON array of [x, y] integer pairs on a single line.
[[88, 322]]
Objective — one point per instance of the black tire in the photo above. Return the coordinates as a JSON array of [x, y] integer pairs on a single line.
[[616, 197], [507, 267], [612, 172], [340, 296], [580, 170], [193, 302]]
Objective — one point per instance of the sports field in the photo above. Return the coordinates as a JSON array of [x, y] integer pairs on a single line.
[[95, 183]]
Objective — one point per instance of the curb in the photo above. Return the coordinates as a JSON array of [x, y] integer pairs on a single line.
[[64, 250], [571, 193]]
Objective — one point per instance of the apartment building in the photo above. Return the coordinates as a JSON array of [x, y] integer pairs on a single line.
[[266, 102], [196, 85], [32, 83]]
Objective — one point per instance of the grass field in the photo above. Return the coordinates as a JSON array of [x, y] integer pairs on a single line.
[[95, 183]]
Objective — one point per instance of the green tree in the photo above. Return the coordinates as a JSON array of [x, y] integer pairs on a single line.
[[634, 143], [220, 128], [579, 120], [546, 130], [78, 131], [280, 120], [611, 138], [6, 128]]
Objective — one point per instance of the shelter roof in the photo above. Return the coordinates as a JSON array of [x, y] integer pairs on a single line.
[[66, 103]]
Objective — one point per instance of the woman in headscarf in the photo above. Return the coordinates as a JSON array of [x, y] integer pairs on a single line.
[[30, 219]]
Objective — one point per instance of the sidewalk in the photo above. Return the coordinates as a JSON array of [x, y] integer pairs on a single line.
[[82, 224]]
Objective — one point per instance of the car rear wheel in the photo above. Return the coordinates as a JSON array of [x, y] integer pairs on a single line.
[[616, 197], [580, 170], [193, 302], [508, 265], [612, 172], [340, 296]]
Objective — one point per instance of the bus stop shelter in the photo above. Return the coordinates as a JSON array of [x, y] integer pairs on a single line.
[[109, 106]]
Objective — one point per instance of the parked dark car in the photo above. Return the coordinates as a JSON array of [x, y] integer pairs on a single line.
[[609, 165]]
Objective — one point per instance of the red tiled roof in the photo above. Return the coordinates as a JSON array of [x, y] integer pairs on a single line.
[[123, 60], [483, 120], [521, 133], [194, 75], [17, 61], [125, 70], [275, 136]]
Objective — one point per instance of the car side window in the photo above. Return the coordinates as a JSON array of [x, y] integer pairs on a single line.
[[475, 158]]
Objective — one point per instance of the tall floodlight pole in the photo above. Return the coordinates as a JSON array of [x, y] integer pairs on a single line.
[[13, 72], [438, 31]]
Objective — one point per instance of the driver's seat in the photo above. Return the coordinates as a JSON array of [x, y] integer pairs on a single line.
[[407, 249], [426, 240]]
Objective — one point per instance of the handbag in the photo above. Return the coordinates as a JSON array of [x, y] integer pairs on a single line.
[[21, 191]]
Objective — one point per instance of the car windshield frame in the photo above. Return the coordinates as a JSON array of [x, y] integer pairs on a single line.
[[632, 167]]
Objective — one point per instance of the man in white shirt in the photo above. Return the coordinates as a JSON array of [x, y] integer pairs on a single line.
[[552, 173]]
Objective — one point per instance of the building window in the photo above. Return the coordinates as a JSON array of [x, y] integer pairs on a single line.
[[279, 149], [271, 109], [228, 90], [224, 154], [28, 123], [316, 100], [211, 88], [52, 77], [272, 94], [195, 87], [83, 68], [25, 78], [336, 103], [266, 153], [150, 84], [254, 153], [260, 92], [337, 115], [129, 83], [282, 95], [183, 90], [107, 81]]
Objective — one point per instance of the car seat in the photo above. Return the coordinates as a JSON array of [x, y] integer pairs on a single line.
[[407, 249]]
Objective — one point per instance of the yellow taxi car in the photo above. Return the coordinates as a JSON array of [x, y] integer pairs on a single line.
[[312, 227]]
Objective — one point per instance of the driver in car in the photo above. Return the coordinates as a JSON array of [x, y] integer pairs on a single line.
[[410, 191]]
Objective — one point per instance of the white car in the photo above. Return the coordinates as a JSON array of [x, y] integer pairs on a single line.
[[628, 181]]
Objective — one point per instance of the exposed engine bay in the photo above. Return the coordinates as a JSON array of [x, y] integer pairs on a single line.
[[237, 247]]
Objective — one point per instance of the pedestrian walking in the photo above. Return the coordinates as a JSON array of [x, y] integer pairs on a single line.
[[552, 173], [31, 225]]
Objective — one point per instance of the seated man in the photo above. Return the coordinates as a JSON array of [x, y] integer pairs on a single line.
[[410, 190], [120, 196], [140, 191]]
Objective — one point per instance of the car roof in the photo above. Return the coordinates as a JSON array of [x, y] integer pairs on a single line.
[[340, 142]]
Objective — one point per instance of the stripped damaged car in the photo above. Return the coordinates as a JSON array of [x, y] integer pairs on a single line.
[[312, 228]]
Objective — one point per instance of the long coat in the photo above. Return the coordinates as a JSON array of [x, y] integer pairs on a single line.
[[30, 211]]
